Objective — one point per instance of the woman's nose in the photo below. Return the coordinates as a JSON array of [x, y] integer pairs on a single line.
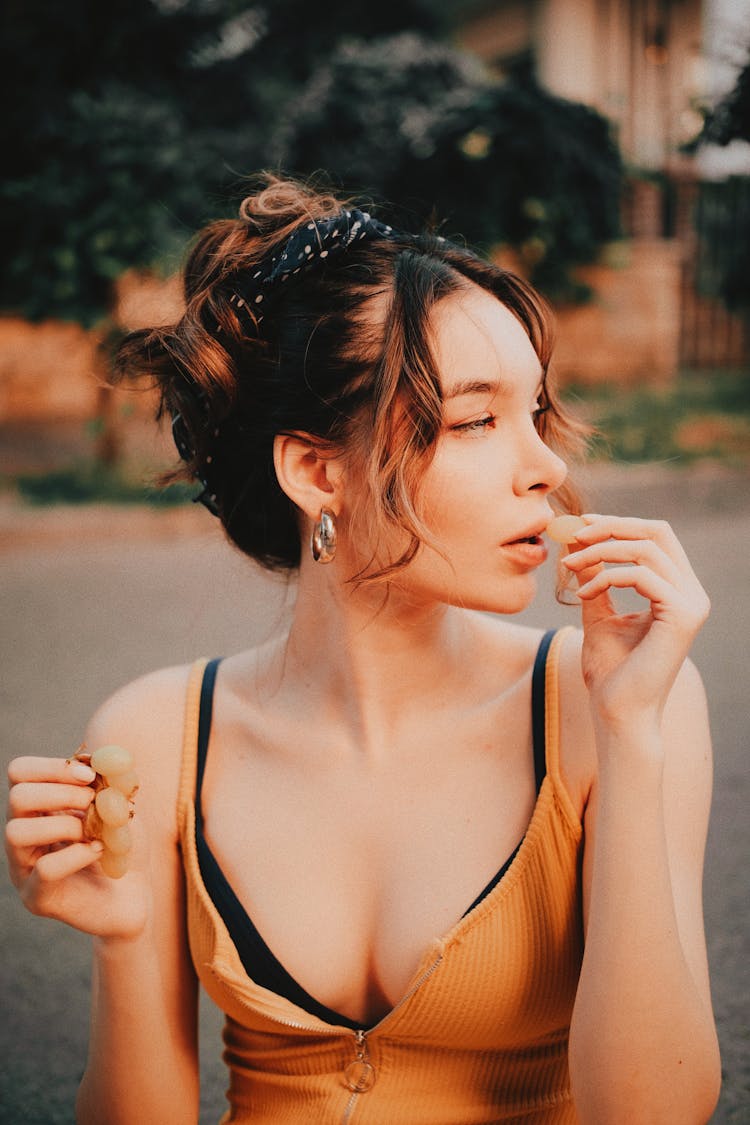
[[541, 469]]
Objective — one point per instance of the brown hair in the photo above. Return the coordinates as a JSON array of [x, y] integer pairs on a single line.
[[345, 356]]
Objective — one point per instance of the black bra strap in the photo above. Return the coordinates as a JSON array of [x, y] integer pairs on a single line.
[[538, 683], [204, 729]]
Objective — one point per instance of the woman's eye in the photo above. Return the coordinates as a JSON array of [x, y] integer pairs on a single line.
[[476, 425]]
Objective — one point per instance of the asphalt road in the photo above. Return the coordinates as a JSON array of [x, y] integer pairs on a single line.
[[91, 598]]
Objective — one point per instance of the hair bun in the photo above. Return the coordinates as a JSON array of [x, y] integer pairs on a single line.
[[282, 205]]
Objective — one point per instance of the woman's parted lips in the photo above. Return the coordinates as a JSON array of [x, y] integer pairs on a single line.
[[532, 535]]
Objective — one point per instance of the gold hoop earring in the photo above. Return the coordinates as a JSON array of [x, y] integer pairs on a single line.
[[323, 542]]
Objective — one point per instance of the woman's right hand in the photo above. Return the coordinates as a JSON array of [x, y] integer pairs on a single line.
[[53, 866]]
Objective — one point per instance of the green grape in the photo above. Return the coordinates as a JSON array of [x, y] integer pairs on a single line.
[[113, 865], [111, 760], [112, 807], [116, 839], [126, 782], [563, 528]]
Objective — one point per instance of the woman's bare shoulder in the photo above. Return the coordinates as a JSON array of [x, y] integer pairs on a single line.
[[507, 643], [146, 707], [147, 717]]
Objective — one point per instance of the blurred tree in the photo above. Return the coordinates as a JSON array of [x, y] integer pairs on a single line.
[[128, 123], [118, 118], [114, 138], [729, 120], [410, 119]]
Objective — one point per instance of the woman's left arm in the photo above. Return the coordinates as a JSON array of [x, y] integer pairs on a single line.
[[643, 1044]]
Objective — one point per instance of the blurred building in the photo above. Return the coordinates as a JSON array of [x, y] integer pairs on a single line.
[[648, 66]]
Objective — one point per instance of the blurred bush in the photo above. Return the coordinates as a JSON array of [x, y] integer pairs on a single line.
[[128, 124], [423, 126]]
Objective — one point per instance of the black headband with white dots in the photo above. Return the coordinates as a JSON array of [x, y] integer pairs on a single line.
[[310, 245]]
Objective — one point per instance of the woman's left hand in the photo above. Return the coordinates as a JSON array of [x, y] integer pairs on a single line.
[[630, 661]]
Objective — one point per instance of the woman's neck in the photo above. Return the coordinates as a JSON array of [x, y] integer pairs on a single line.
[[363, 658]]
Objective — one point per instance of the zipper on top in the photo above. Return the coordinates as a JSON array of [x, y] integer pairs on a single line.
[[359, 1075]]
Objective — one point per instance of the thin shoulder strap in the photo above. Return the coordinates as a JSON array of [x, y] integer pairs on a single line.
[[539, 709], [186, 794], [552, 726], [205, 714]]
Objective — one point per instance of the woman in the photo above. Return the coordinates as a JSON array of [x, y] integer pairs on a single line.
[[436, 867]]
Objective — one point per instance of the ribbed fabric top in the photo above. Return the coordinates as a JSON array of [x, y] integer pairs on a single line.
[[481, 1033]]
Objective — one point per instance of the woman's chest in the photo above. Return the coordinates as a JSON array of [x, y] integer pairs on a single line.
[[349, 872]]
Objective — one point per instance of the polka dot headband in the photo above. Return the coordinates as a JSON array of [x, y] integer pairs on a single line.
[[309, 246]]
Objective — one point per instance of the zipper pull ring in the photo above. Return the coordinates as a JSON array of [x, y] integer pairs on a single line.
[[359, 1076]]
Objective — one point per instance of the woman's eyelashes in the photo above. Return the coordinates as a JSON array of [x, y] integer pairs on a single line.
[[475, 426], [488, 421]]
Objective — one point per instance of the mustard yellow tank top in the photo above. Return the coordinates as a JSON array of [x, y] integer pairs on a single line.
[[481, 1034]]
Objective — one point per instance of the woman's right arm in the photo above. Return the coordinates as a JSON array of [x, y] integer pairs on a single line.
[[142, 1063]]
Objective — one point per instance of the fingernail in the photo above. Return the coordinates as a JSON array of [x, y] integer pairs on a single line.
[[81, 772], [97, 846]]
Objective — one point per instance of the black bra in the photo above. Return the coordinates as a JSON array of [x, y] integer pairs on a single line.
[[259, 962]]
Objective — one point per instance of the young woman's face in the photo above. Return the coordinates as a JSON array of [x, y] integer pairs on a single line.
[[484, 496]]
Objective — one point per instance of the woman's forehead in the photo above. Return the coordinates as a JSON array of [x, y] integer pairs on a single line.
[[481, 345]]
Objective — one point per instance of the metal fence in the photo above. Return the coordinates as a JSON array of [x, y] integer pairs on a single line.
[[712, 224]]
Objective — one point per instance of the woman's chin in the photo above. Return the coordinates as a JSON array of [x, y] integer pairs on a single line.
[[512, 597]]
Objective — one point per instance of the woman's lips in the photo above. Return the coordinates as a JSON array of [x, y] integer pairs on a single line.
[[531, 550]]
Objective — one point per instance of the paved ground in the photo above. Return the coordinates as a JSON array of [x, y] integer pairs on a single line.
[[91, 598]]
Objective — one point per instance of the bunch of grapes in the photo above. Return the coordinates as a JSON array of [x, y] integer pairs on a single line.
[[107, 817]]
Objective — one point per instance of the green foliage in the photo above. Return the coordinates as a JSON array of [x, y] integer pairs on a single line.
[[700, 416], [86, 482], [114, 133], [129, 123], [729, 120], [408, 119]]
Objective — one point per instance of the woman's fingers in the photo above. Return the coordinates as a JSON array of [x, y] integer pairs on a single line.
[[48, 785], [601, 528], [689, 607], [41, 831], [29, 798], [46, 800], [616, 552], [642, 552], [639, 578], [56, 865], [66, 770]]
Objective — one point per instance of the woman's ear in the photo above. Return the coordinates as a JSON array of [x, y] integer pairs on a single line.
[[311, 477]]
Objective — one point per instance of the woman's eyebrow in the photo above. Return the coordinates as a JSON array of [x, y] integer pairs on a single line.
[[483, 387], [475, 387]]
